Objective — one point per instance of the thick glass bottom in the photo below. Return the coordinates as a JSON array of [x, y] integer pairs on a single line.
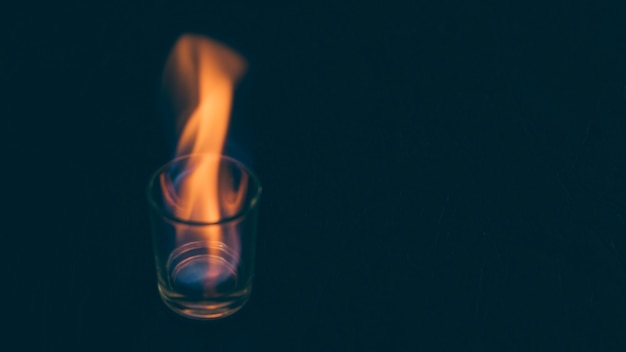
[[205, 309]]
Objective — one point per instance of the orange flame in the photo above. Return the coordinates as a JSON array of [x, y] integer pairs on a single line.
[[200, 75]]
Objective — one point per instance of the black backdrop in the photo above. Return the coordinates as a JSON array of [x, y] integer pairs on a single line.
[[437, 175]]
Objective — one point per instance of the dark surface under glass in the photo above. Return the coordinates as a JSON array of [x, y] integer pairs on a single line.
[[437, 176]]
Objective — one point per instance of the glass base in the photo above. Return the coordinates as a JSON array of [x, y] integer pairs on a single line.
[[208, 309]]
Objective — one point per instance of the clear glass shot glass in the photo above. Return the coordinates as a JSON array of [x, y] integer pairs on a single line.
[[203, 210]]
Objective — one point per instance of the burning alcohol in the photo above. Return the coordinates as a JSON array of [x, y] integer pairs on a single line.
[[205, 203]]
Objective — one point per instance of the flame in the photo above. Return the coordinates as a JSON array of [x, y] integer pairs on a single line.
[[200, 75]]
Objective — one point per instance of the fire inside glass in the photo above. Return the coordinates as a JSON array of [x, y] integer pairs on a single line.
[[203, 209]]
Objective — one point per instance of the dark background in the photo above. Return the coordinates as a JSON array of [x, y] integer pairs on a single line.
[[437, 175]]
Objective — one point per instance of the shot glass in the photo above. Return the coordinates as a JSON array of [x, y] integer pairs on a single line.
[[203, 211]]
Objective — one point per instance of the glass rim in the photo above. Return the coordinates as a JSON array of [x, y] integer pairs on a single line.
[[251, 205]]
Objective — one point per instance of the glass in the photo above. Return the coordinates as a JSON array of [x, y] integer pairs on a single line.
[[203, 210]]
